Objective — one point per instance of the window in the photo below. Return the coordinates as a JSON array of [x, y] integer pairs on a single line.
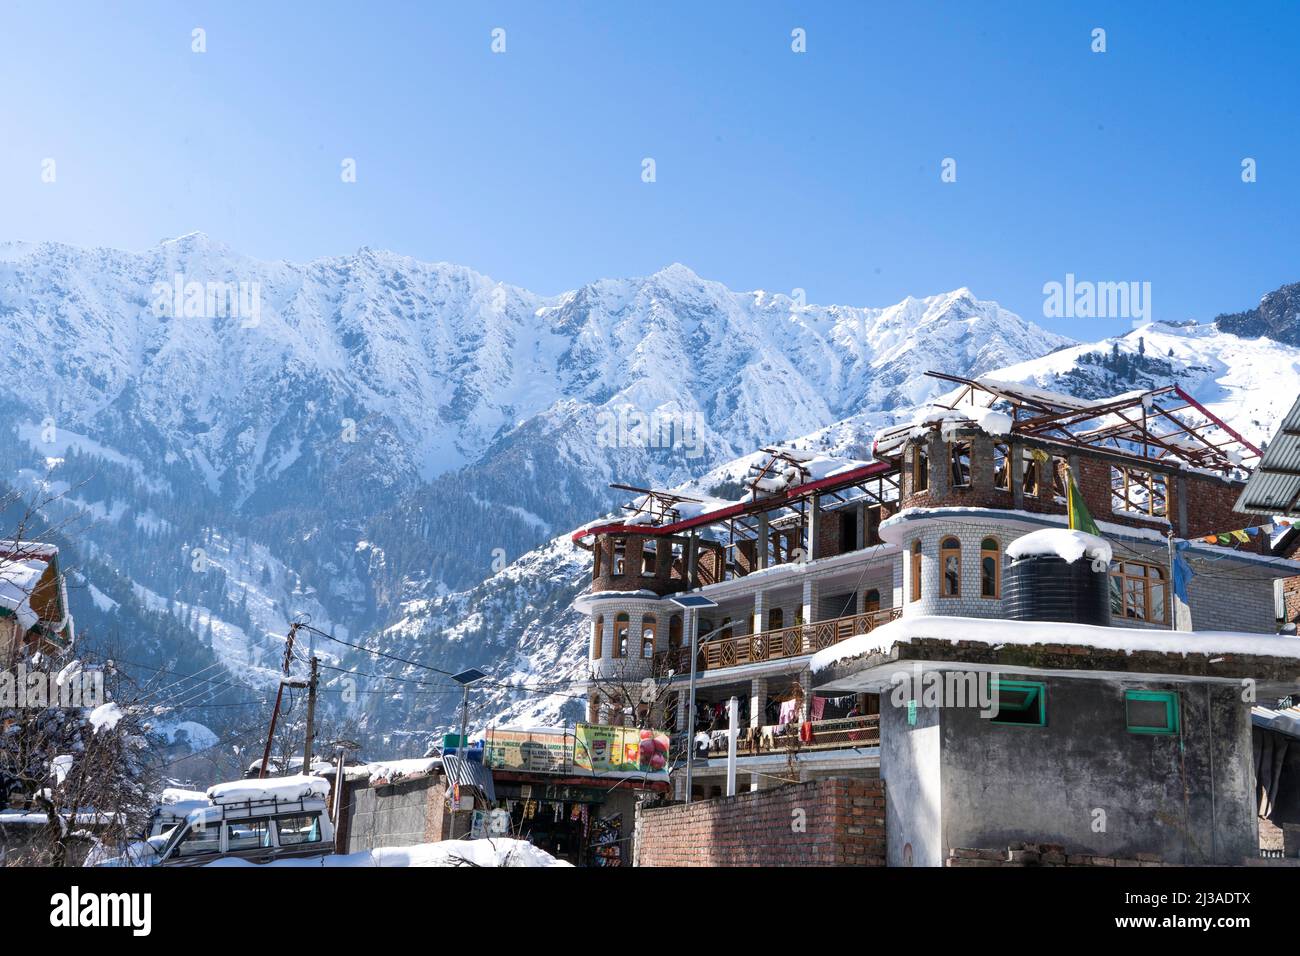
[[297, 829], [1137, 491], [1001, 466], [648, 559], [990, 569], [1138, 592], [1029, 475], [199, 840], [920, 469], [775, 619], [872, 603], [648, 636], [1151, 711], [620, 549], [621, 627], [1058, 479], [848, 531], [1020, 702], [916, 570], [675, 631], [248, 834], [597, 637], [950, 568], [959, 454]]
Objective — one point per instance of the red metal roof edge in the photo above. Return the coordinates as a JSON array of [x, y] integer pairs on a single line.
[[869, 470]]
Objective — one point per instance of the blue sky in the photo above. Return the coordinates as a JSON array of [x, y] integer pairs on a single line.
[[775, 170]]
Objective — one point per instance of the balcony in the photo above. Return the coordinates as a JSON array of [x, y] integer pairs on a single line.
[[775, 645], [837, 734]]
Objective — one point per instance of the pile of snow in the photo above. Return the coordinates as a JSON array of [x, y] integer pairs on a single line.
[[300, 786], [105, 716], [390, 771], [988, 420], [1066, 544], [491, 853], [195, 735]]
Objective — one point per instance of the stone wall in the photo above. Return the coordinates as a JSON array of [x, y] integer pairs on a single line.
[[833, 822], [1042, 854]]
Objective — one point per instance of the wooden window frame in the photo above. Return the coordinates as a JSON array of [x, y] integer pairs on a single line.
[[1125, 480], [916, 570], [649, 621], [598, 637], [956, 450], [996, 554], [946, 552], [1003, 449], [920, 468], [623, 625], [1152, 576]]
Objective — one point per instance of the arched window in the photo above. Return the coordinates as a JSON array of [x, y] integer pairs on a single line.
[[621, 626], [675, 631], [916, 570], [775, 619], [648, 636], [950, 568], [872, 603], [597, 637], [990, 569]]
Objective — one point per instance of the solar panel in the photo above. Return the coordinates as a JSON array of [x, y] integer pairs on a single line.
[[692, 601]]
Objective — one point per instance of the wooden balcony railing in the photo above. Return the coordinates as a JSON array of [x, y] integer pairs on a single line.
[[838, 734], [773, 645]]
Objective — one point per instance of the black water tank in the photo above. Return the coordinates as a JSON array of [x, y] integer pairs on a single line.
[[1045, 587]]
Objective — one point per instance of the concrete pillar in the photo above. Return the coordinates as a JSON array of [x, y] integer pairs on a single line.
[[757, 700], [760, 613], [861, 541], [764, 541], [814, 527], [683, 699], [692, 561], [811, 589]]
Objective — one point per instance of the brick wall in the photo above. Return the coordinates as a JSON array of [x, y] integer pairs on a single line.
[[833, 822], [1291, 594]]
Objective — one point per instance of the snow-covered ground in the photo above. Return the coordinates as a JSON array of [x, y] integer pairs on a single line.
[[485, 852]]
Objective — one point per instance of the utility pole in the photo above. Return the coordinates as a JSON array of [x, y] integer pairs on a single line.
[[311, 716], [279, 693]]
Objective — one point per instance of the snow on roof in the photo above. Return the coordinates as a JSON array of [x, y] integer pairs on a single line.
[[998, 633], [297, 787], [394, 770], [174, 795], [1066, 544], [18, 579]]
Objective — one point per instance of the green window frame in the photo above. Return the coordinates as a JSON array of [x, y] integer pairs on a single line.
[[1028, 706], [1168, 697]]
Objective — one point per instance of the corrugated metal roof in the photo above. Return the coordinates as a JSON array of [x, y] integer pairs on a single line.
[[468, 774], [1286, 721], [1274, 486]]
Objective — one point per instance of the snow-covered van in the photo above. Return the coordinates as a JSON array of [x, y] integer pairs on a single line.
[[255, 820]]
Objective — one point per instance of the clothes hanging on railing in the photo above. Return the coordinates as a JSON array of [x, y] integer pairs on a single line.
[[818, 707], [789, 711]]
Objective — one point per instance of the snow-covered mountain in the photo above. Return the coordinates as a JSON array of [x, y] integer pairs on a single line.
[[397, 448]]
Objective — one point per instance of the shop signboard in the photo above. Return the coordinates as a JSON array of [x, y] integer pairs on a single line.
[[603, 749], [532, 751]]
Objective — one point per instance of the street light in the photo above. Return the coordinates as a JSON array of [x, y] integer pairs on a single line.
[[693, 602], [464, 679]]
